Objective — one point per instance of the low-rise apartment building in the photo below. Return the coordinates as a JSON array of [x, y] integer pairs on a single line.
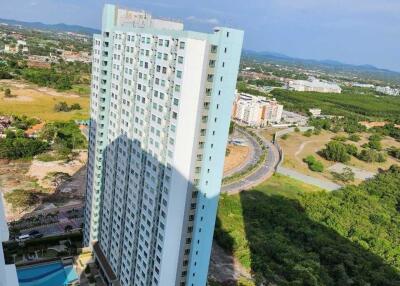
[[256, 111]]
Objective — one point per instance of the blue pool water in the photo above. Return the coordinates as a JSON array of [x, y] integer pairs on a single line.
[[51, 274]]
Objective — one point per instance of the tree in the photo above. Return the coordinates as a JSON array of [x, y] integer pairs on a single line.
[[61, 107], [335, 151]]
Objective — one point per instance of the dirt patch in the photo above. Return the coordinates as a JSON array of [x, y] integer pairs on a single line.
[[19, 98], [40, 170], [237, 156]]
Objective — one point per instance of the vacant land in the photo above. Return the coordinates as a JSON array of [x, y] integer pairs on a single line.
[[38, 102], [297, 147], [41, 185], [237, 155], [288, 233]]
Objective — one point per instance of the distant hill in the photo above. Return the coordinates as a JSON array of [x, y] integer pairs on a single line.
[[362, 71], [52, 27]]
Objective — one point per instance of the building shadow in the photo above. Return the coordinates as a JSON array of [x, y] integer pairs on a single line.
[[289, 248]]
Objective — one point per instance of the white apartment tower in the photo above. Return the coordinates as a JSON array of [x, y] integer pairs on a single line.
[[160, 110]]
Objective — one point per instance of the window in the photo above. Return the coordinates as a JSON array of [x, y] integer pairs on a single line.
[[179, 74], [177, 88], [180, 59], [182, 45]]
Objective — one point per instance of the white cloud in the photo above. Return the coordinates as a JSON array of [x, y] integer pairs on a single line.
[[209, 21]]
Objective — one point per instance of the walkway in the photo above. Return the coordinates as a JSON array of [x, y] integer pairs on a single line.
[[326, 185]]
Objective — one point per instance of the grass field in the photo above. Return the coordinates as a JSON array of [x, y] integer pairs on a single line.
[[33, 101], [230, 212]]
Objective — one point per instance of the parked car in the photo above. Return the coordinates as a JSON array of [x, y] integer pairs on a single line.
[[35, 234]]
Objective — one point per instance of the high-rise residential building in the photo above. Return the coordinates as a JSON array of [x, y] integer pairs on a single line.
[[256, 111], [160, 111], [8, 273]]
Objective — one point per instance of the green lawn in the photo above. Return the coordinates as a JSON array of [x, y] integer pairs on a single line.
[[290, 233]]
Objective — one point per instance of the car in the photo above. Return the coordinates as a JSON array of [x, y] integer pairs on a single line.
[[35, 234], [23, 237]]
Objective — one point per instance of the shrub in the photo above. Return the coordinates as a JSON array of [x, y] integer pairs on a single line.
[[346, 176], [75, 106], [313, 164], [354, 137], [308, 133], [351, 149], [7, 93], [285, 136], [297, 129], [394, 152], [370, 155], [61, 107], [336, 151], [340, 138]]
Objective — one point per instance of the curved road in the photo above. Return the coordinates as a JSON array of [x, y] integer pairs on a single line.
[[254, 154], [259, 175]]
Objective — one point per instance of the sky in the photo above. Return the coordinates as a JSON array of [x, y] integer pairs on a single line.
[[350, 31]]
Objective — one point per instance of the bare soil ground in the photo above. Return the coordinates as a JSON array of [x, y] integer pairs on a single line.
[[34, 175], [237, 156]]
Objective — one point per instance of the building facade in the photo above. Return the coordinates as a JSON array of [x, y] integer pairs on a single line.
[[8, 273], [256, 111], [314, 85], [160, 111]]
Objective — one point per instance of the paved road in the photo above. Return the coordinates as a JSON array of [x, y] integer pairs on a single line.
[[258, 176], [254, 153]]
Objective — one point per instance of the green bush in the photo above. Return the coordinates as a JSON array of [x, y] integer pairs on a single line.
[[313, 164], [394, 152], [351, 149], [308, 133], [370, 156], [346, 176], [16, 148], [354, 137], [336, 151]]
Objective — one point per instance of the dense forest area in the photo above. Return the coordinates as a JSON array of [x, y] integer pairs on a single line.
[[347, 237]]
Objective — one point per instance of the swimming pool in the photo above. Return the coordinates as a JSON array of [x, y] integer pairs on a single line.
[[49, 274]]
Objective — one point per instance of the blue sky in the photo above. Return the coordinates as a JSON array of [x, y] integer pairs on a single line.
[[351, 31]]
